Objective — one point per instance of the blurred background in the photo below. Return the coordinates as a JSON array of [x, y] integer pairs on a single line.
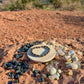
[[14, 5]]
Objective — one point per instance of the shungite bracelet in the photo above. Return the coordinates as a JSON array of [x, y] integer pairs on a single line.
[[40, 47]]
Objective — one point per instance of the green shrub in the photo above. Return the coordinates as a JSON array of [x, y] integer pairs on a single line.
[[50, 4], [57, 3], [19, 5]]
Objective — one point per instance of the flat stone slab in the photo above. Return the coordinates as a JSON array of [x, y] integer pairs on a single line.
[[44, 54]]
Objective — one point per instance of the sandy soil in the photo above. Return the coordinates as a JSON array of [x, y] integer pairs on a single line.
[[19, 27]]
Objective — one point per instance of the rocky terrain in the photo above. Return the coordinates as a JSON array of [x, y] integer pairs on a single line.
[[19, 27]]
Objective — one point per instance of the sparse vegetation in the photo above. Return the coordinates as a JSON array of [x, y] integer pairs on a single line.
[[48, 5]]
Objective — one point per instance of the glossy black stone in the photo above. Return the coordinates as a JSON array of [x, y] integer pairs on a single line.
[[41, 79], [16, 76], [47, 75], [11, 76], [24, 70], [20, 50], [37, 71], [10, 82], [18, 72], [27, 65], [17, 56], [7, 65], [23, 66], [35, 74], [16, 81], [25, 47]]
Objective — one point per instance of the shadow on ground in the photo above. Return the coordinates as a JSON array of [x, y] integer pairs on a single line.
[[2, 54], [75, 20]]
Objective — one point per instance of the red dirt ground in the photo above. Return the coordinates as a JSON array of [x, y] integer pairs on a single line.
[[38, 24], [26, 26]]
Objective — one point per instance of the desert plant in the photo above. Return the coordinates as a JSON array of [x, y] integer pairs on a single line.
[[57, 3]]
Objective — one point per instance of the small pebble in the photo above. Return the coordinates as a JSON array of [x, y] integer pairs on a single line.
[[36, 71], [33, 69], [47, 75], [35, 74], [48, 67], [79, 53], [61, 53], [52, 71], [66, 58], [68, 65], [56, 64], [41, 79], [52, 77], [10, 82], [70, 73], [69, 62], [59, 70], [75, 59], [16, 76], [16, 81], [18, 72], [46, 64], [71, 53], [58, 74], [57, 54], [44, 75], [17, 56], [55, 76], [74, 66]]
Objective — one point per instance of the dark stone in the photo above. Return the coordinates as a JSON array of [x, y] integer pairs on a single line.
[[18, 72], [10, 82], [8, 65], [16, 76], [5, 65], [35, 74], [11, 76], [27, 65], [23, 66], [41, 79], [37, 71], [17, 56], [17, 68], [16, 81], [20, 50], [47, 75]]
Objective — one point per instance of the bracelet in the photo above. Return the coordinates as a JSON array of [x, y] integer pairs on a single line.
[[40, 47]]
